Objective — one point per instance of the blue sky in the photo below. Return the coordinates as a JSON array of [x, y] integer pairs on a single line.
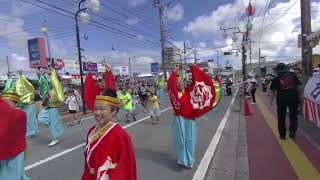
[[196, 22]]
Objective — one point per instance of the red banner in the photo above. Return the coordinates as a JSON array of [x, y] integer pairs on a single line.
[[197, 99]]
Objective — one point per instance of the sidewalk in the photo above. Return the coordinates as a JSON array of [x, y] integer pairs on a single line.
[[230, 160], [272, 158], [250, 148]]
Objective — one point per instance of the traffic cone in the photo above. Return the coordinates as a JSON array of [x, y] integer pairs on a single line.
[[247, 111]]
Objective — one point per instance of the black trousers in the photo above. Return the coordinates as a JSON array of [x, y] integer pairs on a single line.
[[253, 94], [293, 113]]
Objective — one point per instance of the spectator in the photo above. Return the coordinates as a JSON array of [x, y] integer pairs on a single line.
[[126, 101], [73, 104], [154, 110], [285, 88], [253, 89]]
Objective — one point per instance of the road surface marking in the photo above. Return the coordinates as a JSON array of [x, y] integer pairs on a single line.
[[50, 158], [298, 160], [205, 162]]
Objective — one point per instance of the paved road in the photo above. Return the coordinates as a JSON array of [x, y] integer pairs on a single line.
[[152, 144]]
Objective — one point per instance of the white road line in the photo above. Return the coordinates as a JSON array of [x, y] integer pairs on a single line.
[[50, 158], [205, 162]]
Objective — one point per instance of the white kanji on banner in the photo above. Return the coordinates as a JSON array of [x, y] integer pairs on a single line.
[[311, 108], [200, 95]]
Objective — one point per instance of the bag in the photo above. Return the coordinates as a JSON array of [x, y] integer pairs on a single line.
[[287, 82]]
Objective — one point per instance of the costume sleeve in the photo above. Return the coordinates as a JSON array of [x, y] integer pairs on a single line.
[[126, 167], [90, 91], [13, 123], [44, 87], [25, 90], [58, 91]]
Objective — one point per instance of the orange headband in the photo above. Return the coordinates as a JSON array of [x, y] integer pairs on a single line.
[[10, 96], [107, 100]]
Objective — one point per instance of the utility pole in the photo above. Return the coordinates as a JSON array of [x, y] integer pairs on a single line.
[[244, 57], [157, 3], [8, 65], [305, 31], [250, 54], [259, 62], [195, 56], [218, 58], [184, 52], [130, 67]]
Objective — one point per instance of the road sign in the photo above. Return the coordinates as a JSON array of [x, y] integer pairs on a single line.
[[154, 68]]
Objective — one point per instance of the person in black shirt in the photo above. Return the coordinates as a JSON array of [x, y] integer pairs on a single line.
[[228, 86], [285, 88]]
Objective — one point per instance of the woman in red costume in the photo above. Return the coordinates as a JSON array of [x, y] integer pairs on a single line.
[[109, 153]]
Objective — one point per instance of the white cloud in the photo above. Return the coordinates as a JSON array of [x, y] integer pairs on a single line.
[[176, 13], [280, 39], [18, 57], [132, 21], [135, 3], [209, 24]]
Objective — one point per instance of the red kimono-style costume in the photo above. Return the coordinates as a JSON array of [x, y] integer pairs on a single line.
[[109, 154]]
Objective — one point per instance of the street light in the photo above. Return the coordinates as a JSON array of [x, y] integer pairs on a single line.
[[44, 30], [244, 41], [84, 17], [234, 38], [225, 34]]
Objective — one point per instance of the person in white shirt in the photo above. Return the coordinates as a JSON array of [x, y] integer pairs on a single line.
[[73, 103]]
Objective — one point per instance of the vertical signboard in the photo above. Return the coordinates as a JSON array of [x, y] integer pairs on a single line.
[[154, 68], [37, 53]]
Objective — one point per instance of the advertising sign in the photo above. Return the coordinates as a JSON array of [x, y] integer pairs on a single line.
[[122, 70], [71, 65], [37, 53], [154, 68], [92, 66], [58, 64]]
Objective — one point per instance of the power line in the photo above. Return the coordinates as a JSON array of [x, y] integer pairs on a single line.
[[96, 24], [116, 20], [269, 25], [129, 11], [264, 16], [126, 16]]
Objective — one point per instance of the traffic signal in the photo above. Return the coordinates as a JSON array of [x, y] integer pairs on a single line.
[[226, 53], [210, 60]]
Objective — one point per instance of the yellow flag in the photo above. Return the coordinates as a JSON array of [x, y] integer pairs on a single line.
[[25, 90], [57, 95]]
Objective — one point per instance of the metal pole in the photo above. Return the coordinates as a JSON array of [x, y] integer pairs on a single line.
[[79, 56], [162, 36], [250, 54], [49, 52], [305, 31], [130, 67], [259, 62], [217, 58], [8, 65], [243, 59], [195, 57]]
